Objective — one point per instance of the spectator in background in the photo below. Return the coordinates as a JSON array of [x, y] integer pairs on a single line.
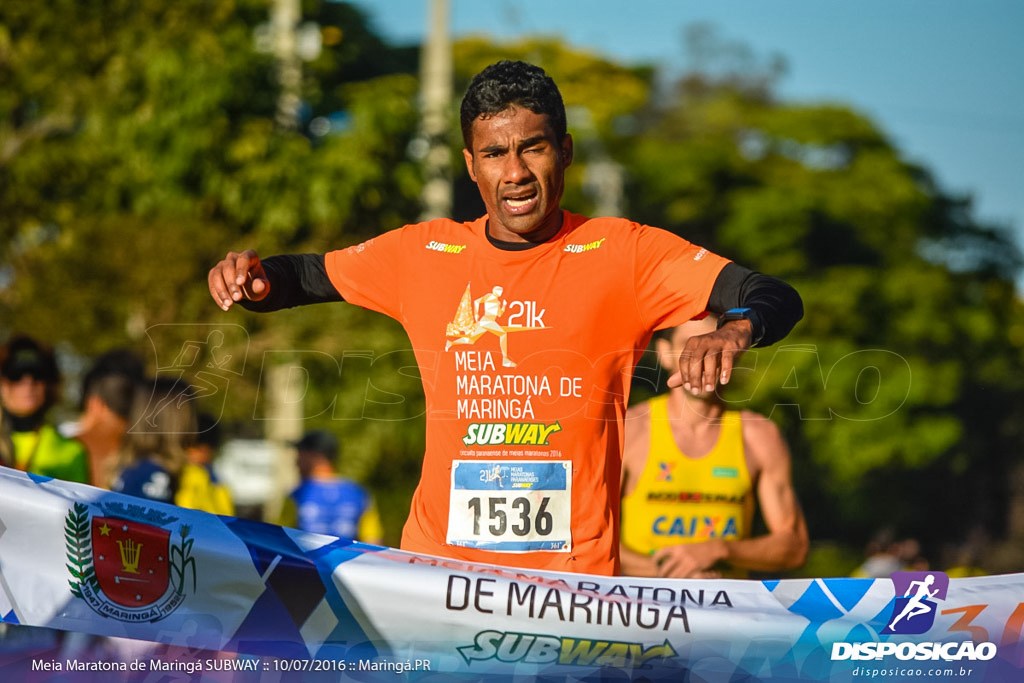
[[324, 502], [29, 387], [885, 554], [162, 427], [967, 556], [693, 474], [154, 463], [107, 392], [199, 488]]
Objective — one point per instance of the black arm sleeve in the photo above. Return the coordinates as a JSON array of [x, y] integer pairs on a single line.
[[295, 280], [777, 305]]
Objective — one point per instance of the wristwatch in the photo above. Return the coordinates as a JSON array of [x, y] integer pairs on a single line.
[[757, 329]]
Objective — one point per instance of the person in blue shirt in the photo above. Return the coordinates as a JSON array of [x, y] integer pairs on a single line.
[[324, 502]]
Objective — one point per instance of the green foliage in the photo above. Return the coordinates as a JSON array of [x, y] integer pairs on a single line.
[[138, 145], [909, 301]]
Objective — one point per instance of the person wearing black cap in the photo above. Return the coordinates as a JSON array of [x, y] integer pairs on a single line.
[[325, 503], [29, 387]]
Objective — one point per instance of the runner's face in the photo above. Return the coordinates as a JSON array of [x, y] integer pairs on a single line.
[[519, 168]]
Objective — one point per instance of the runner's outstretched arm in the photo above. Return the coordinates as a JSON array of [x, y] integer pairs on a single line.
[[270, 284]]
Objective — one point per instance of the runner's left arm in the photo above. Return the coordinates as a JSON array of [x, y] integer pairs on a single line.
[[295, 280], [776, 305], [774, 308]]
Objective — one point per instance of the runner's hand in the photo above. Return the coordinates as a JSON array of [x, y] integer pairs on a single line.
[[689, 560], [709, 358], [237, 276]]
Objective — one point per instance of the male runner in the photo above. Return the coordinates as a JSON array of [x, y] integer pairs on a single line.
[[690, 472], [552, 426]]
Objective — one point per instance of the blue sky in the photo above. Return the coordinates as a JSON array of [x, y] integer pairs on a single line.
[[943, 78]]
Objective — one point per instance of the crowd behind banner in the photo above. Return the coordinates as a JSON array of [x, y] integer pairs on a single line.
[[145, 436], [141, 435]]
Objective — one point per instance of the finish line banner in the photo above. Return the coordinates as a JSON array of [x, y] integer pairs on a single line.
[[298, 606]]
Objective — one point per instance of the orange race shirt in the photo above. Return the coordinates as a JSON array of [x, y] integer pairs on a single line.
[[526, 359]]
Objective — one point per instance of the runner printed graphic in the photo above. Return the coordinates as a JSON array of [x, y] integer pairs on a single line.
[[476, 318]]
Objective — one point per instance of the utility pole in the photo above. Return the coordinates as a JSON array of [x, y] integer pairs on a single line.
[[284, 21], [603, 180], [436, 96], [286, 385], [285, 412]]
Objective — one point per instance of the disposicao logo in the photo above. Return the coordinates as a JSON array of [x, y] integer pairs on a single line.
[[913, 613], [916, 596]]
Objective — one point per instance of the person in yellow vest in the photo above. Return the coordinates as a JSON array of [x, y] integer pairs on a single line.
[[29, 387], [30, 384], [199, 488], [692, 473]]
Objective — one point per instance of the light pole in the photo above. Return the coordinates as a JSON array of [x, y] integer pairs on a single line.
[[436, 95]]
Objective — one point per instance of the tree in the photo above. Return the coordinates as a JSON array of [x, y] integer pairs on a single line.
[[122, 144], [910, 302], [137, 145]]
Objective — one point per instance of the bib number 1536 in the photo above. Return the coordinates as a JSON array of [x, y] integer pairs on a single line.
[[511, 506]]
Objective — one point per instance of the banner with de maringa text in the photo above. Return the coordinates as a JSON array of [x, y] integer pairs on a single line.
[[83, 560]]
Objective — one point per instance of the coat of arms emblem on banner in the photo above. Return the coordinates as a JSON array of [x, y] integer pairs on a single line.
[[125, 564]]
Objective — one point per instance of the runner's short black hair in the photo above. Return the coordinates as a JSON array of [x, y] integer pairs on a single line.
[[505, 84]]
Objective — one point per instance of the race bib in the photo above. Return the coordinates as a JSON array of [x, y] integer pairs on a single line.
[[511, 506]]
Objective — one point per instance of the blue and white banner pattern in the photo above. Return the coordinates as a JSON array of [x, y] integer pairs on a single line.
[[295, 606]]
